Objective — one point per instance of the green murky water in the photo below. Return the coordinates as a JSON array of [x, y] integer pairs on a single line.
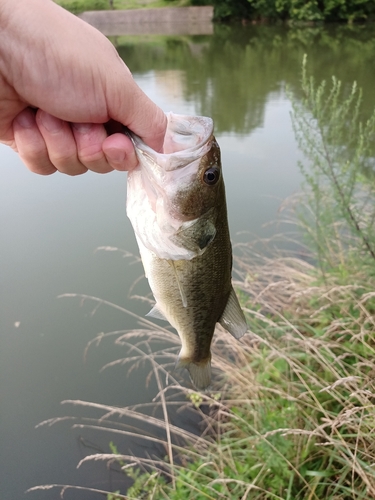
[[51, 227]]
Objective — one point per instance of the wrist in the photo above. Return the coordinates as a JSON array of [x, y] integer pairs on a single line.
[[5, 16], [3, 11], [18, 34], [9, 13], [8, 10]]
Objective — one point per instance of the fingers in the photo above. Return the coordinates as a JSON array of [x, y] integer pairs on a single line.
[[60, 144], [47, 144], [119, 151], [30, 143]]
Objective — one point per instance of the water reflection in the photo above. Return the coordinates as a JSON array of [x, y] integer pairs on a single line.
[[51, 226], [230, 75]]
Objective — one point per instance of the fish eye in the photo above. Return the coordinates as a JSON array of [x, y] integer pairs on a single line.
[[211, 176]]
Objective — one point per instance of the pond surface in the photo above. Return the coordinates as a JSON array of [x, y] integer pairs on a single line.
[[52, 226]]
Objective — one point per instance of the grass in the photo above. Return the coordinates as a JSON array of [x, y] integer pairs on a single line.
[[291, 414]]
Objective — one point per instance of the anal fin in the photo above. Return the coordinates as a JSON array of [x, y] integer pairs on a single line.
[[233, 318], [156, 313]]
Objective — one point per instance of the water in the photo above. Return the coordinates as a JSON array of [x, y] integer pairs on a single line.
[[51, 227]]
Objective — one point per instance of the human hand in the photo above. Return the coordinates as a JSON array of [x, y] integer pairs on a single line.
[[64, 89]]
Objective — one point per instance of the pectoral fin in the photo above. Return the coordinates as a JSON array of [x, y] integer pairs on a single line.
[[233, 318], [179, 284], [196, 235], [156, 313]]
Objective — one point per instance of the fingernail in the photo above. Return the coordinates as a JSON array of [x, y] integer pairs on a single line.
[[50, 123], [26, 119], [115, 155], [82, 127]]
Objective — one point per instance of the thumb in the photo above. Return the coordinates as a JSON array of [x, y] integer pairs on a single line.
[[141, 115]]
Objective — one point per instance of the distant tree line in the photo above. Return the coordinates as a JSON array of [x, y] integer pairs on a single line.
[[78, 6], [348, 11]]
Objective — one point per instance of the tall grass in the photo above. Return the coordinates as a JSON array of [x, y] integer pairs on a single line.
[[339, 213], [291, 413]]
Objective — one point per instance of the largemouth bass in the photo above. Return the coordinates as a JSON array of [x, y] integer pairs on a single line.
[[176, 204]]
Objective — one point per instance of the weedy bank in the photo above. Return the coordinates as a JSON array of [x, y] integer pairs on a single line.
[[291, 415]]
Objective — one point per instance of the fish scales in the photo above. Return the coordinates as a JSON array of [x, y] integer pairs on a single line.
[[176, 203], [206, 298]]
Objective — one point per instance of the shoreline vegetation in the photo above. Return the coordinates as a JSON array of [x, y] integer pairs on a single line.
[[292, 413], [261, 11]]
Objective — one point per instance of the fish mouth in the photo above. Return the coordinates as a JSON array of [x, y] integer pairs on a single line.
[[186, 140]]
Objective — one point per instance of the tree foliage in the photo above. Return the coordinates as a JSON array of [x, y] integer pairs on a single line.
[[79, 6], [296, 10]]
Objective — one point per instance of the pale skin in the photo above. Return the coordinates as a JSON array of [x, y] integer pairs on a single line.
[[61, 81]]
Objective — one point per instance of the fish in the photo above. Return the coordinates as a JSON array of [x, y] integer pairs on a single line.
[[176, 204]]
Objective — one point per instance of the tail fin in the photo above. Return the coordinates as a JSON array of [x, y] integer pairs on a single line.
[[200, 373]]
